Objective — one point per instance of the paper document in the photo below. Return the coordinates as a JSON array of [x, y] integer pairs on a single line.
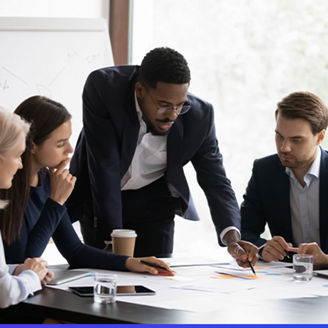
[[176, 262]]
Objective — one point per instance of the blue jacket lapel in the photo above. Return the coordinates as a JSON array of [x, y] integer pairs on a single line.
[[130, 134], [174, 174], [281, 194], [323, 201]]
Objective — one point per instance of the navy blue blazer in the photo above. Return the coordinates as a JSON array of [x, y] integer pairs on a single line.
[[107, 143], [267, 201]]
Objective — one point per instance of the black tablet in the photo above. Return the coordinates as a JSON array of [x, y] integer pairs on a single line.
[[131, 290]]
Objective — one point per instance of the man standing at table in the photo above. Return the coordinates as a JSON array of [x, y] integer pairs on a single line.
[[141, 126], [289, 190]]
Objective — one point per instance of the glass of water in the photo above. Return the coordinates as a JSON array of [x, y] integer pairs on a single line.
[[105, 287], [303, 267]]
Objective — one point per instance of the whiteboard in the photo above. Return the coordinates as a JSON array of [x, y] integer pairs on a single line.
[[51, 57]]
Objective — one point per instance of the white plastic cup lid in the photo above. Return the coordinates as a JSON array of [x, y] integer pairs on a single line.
[[123, 233]]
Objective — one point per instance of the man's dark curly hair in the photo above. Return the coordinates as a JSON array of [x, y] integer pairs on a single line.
[[164, 65]]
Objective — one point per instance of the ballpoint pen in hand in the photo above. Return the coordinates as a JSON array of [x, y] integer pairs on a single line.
[[252, 268], [249, 263]]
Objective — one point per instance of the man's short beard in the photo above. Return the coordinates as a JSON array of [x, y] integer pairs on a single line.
[[155, 132], [296, 164]]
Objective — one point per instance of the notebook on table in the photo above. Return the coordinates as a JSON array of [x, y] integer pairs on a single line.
[[64, 275]]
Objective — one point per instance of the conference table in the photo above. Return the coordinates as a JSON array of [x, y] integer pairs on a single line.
[[64, 305]]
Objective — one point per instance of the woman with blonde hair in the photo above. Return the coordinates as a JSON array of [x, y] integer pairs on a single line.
[[27, 277]]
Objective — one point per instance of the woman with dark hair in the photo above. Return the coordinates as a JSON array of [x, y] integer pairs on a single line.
[[40, 190]]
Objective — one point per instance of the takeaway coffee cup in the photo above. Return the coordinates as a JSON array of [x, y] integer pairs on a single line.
[[123, 241]]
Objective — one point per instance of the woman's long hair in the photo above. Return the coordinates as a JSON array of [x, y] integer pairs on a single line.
[[45, 115]]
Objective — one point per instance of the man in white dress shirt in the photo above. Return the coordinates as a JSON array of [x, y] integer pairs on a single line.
[[140, 127]]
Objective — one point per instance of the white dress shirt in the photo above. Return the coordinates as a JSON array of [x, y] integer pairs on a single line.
[[14, 289], [304, 204], [150, 161]]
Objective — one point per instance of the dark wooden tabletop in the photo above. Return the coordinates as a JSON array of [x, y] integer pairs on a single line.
[[64, 305]]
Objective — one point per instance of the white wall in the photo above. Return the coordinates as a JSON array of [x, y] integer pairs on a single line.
[[58, 9], [55, 8]]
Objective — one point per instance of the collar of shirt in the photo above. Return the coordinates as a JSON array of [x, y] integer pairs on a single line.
[[143, 126], [313, 172]]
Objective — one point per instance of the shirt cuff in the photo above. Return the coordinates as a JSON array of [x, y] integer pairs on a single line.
[[11, 268], [31, 281], [260, 251], [224, 231]]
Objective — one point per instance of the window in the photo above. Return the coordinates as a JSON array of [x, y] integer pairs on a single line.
[[244, 56]]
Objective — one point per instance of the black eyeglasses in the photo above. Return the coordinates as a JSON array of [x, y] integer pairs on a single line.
[[161, 109]]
